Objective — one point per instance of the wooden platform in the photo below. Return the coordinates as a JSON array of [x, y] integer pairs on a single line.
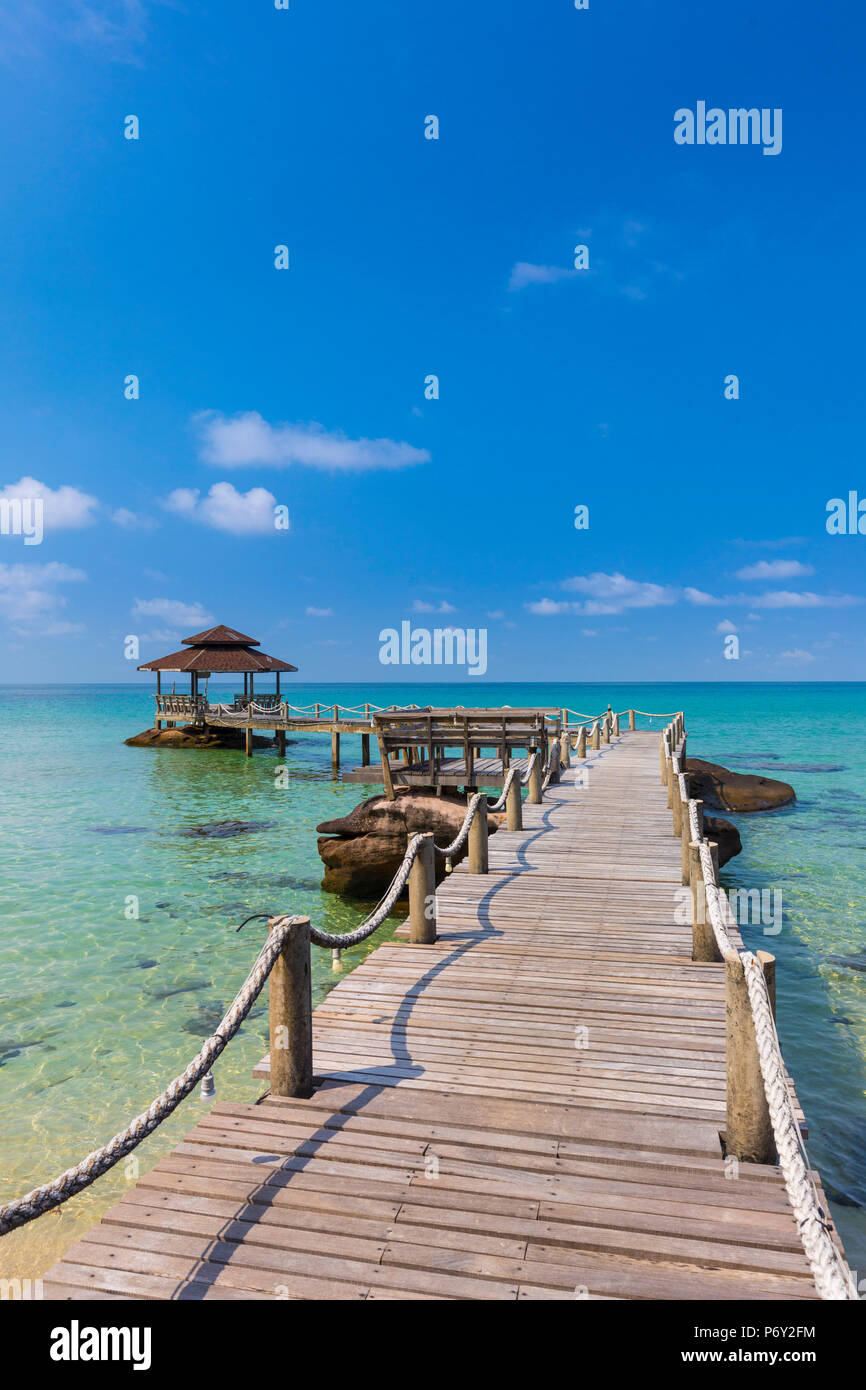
[[450, 772], [530, 1108]]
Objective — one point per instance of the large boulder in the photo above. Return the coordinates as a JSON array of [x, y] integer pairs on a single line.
[[723, 790], [726, 836], [362, 851], [194, 736]]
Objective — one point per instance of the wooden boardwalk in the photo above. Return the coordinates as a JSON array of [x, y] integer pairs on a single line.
[[530, 1108]]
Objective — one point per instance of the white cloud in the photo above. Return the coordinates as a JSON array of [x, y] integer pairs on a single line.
[[248, 438], [63, 508], [613, 593], [29, 597], [796, 655], [784, 598], [496, 613], [546, 606], [225, 509], [775, 598], [133, 521], [419, 606], [173, 611], [726, 626], [319, 612], [588, 632], [774, 569], [524, 273]]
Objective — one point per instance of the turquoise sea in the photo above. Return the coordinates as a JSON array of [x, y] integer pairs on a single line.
[[98, 1010]]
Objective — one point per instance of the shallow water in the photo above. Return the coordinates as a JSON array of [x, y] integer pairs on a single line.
[[100, 1008]]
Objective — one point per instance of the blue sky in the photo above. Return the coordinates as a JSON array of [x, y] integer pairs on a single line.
[[409, 257]]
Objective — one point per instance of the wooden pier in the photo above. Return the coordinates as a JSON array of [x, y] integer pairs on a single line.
[[531, 1107]]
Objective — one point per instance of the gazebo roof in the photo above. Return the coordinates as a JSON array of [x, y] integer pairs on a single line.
[[221, 636], [219, 649]]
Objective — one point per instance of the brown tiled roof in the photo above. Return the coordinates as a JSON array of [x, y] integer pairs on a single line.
[[220, 636], [217, 659]]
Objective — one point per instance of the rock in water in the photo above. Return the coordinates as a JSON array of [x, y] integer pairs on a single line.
[[362, 851], [192, 736], [726, 836], [722, 790]]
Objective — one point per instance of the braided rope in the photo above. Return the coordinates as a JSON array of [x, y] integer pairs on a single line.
[[74, 1180], [342, 940], [832, 1277], [506, 788], [463, 832]]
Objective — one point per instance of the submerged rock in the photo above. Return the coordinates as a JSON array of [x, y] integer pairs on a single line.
[[362, 851], [225, 829], [723, 790]]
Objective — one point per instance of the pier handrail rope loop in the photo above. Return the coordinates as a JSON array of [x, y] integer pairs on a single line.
[[463, 833], [833, 1279], [52, 1194], [341, 940]]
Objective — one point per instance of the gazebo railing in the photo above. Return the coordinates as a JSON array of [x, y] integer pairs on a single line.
[[180, 706]]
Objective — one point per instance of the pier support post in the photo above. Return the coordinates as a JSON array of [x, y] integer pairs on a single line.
[[422, 896], [478, 857], [514, 807], [534, 797], [631, 721], [606, 734], [335, 751], [687, 835], [581, 742], [565, 749], [749, 1133], [248, 742], [595, 741], [281, 742], [291, 1016], [365, 750], [616, 726], [677, 805], [704, 946]]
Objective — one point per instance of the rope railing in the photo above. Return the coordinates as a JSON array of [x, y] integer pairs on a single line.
[[416, 868], [773, 1131], [52, 1194]]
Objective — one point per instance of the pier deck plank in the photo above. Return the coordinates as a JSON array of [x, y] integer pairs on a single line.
[[467, 1139]]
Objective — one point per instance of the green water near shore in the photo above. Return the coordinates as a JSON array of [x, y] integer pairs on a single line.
[[99, 1009]]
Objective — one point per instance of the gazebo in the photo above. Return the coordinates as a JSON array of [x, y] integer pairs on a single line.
[[219, 650]]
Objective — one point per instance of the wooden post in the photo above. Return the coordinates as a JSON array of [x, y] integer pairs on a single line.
[[704, 946], [534, 797], [616, 726], [565, 748], [749, 1133], [595, 741], [422, 895], [248, 741], [631, 720], [478, 858], [662, 758], [514, 806], [687, 835], [581, 742], [677, 804], [281, 742], [335, 751], [291, 1016], [606, 729], [365, 750]]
